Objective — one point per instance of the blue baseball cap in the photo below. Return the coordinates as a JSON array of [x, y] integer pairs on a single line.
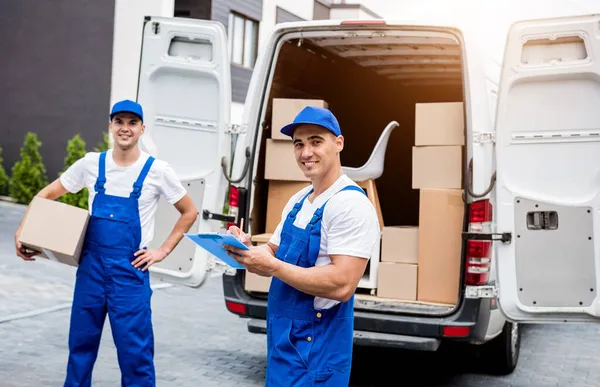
[[127, 106], [315, 116]]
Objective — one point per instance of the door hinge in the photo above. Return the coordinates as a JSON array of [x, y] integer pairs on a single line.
[[481, 292], [236, 129], [206, 214], [504, 237], [484, 137]]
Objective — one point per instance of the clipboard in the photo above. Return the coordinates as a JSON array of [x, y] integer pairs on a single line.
[[212, 242]]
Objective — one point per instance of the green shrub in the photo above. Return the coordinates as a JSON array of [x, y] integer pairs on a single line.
[[75, 151], [103, 145], [3, 177], [29, 173]]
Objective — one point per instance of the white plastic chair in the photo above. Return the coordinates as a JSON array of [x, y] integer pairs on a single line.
[[373, 168]]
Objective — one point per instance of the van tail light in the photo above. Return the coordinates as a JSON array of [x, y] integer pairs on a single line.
[[478, 255], [234, 203], [236, 307]]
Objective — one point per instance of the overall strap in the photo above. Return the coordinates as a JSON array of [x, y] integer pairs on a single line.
[[99, 186], [319, 212], [353, 188], [137, 186], [294, 211]]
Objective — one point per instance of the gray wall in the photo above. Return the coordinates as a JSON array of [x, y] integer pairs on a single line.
[[55, 74], [240, 76], [198, 9], [320, 10], [283, 16]]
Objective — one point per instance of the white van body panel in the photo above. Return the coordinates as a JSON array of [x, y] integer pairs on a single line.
[[548, 152], [185, 88]]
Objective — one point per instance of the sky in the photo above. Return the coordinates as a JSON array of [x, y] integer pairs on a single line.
[[491, 19]]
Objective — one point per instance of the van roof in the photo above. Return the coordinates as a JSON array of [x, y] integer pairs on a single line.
[[369, 23]]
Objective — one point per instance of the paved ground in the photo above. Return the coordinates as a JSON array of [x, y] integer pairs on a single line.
[[198, 343]]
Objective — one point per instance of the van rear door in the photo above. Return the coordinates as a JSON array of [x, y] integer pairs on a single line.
[[548, 171], [185, 90]]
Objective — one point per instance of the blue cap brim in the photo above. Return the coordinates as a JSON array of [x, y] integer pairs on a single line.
[[127, 111], [288, 130]]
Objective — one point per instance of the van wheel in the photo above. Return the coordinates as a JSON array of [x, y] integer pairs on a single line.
[[501, 355]]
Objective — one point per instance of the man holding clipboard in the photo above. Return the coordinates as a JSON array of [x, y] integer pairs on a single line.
[[316, 256]]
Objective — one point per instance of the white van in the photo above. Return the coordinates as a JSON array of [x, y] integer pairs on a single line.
[[531, 182]]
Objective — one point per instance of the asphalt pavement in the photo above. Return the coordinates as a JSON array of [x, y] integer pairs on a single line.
[[199, 343]]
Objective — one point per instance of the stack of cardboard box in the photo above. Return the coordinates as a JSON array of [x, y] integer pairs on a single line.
[[397, 271], [423, 263], [437, 174]]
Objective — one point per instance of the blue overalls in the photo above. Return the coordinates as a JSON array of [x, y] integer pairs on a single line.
[[107, 282], [306, 347]]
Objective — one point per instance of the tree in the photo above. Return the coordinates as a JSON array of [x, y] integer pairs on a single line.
[[3, 176], [29, 173], [75, 151], [103, 145]]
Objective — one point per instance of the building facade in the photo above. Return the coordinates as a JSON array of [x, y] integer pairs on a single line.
[[63, 72]]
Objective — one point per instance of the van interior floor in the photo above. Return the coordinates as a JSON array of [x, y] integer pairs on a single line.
[[368, 82]]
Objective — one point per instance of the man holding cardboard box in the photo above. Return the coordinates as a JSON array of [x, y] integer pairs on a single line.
[[112, 277], [317, 256]]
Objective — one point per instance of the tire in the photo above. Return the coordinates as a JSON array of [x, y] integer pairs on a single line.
[[501, 355]]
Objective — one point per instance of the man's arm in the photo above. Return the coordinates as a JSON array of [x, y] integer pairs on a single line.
[[189, 213], [337, 281], [52, 191]]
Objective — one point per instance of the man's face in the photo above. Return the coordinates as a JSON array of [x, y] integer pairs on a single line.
[[316, 150], [126, 129]]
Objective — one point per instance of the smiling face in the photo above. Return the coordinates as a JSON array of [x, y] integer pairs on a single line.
[[317, 151], [126, 129]]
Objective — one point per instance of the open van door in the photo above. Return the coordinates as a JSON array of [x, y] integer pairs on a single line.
[[548, 171], [185, 90]]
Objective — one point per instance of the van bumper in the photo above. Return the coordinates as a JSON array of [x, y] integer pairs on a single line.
[[468, 323], [371, 339]]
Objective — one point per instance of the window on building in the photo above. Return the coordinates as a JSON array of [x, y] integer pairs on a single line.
[[243, 40], [182, 13]]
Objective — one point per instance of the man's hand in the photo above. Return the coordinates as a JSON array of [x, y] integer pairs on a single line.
[[149, 257], [256, 260], [242, 236], [26, 256]]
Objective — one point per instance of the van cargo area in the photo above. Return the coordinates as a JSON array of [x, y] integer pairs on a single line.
[[369, 79]]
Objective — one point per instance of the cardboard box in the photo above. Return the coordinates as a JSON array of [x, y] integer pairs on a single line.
[[280, 163], [397, 280], [55, 229], [437, 167], [439, 124], [399, 244], [260, 239], [441, 215], [280, 192], [255, 282], [286, 109]]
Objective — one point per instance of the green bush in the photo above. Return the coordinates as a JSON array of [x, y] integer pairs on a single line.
[[75, 151], [103, 145], [3, 177], [29, 173]]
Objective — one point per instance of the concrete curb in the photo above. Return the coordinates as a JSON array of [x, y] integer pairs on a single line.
[[8, 199]]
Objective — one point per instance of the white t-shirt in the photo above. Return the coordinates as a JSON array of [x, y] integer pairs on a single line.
[[349, 226], [161, 180]]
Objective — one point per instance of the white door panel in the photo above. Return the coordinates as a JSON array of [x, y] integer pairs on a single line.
[[185, 90], [548, 171]]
